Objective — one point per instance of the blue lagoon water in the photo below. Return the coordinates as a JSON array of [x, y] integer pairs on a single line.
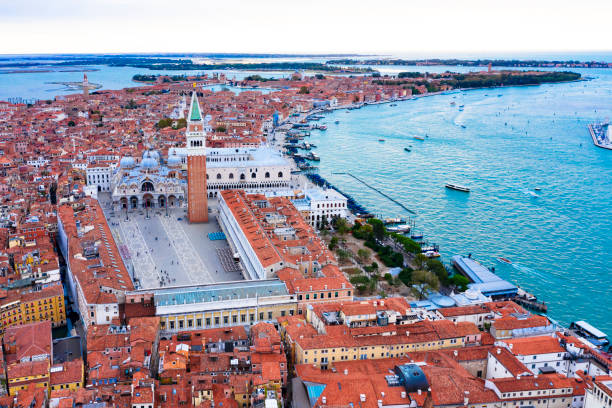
[[38, 85], [515, 139]]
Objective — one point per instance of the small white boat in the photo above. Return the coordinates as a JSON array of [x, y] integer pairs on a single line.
[[401, 229], [432, 254]]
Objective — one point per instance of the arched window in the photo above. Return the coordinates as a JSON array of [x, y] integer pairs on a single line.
[[218, 176], [267, 174], [147, 186], [231, 176], [253, 175], [280, 174], [206, 176]]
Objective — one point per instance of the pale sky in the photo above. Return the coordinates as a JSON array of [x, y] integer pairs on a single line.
[[308, 26]]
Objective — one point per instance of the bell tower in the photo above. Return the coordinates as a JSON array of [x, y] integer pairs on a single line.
[[197, 198]]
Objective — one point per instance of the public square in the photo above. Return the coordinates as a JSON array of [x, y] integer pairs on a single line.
[[165, 250]]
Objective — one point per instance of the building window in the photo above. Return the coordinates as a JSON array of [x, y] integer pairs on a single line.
[[217, 321], [261, 315]]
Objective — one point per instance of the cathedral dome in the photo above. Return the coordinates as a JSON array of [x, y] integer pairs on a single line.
[[127, 162], [174, 160], [151, 154], [148, 163]]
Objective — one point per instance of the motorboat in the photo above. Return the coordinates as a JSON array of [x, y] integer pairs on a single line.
[[401, 229], [458, 188], [393, 220]]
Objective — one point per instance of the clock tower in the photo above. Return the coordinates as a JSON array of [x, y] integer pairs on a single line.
[[197, 198]]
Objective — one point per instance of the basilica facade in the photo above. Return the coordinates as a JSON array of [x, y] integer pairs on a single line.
[[148, 183]]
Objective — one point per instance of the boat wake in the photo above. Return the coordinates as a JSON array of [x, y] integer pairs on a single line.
[[532, 272]]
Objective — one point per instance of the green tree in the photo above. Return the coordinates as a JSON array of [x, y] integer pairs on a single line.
[[341, 225], [164, 123], [438, 269], [343, 255], [420, 261], [460, 282], [378, 228], [71, 123], [363, 255], [220, 129], [333, 243], [423, 282], [405, 276], [304, 90]]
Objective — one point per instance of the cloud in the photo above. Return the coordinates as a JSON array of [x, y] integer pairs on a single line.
[[35, 26]]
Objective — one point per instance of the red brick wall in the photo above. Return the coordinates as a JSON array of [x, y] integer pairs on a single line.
[[197, 200]]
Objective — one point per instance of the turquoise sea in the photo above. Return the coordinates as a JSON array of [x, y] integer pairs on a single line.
[[515, 139]]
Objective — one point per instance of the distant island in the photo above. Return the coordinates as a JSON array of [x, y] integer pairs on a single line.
[[453, 80], [170, 64], [475, 63]]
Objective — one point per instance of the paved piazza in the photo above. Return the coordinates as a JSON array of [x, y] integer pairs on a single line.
[[165, 250]]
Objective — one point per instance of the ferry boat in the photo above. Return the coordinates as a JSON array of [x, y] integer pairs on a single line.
[[400, 229], [591, 334], [458, 188]]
